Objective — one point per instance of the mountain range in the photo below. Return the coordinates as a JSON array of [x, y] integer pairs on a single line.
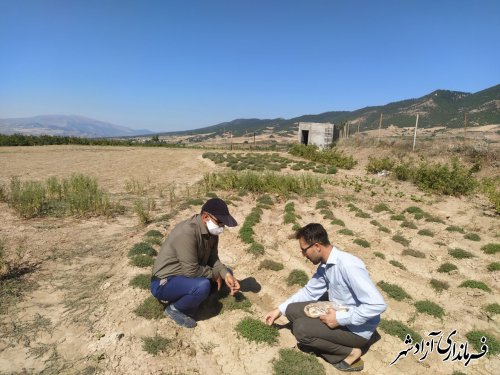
[[62, 125], [439, 108]]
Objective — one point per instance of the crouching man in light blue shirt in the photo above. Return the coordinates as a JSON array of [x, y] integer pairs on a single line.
[[337, 336]]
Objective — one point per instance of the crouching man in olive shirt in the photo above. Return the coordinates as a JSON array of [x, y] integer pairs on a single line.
[[189, 261]]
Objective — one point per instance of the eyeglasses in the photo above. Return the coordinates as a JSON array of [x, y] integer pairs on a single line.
[[217, 221], [307, 248]]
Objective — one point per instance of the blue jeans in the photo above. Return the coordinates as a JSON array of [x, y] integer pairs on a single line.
[[186, 293]]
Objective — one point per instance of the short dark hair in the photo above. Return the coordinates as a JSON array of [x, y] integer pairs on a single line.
[[313, 233]]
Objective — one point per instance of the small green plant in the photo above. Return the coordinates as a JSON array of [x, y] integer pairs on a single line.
[[408, 224], [236, 302], [455, 228], [293, 362], [143, 209], [460, 253], [495, 266], [400, 265], [256, 249], [151, 308], [426, 232], [475, 339], [381, 207], [438, 285], [362, 214], [142, 281], [156, 344], [142, 248], [472, 237], [322, 204], [491, 248], [378, 254], [475, 284], [447, 267], [361, 242], [493, 308], [400, 239], [346, 231], [269, 264], [398, 329], [376, 165], [154, 233], [265, 200], [297, 277], [338, 222], [142, 260], [393, 290], [399, 217], [255, 330], [413, 253], [430, 308]]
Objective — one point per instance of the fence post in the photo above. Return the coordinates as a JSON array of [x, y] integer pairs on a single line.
[[415, 134]]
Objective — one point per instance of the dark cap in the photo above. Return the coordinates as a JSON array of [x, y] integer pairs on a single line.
[[218, 208]]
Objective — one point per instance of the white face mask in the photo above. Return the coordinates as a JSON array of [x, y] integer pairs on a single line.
[[214, 228]]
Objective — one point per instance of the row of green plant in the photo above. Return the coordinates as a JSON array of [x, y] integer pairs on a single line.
[[449, 179], [330, 156], [247, 233], [290, 216], [266, 182], [78, 195]]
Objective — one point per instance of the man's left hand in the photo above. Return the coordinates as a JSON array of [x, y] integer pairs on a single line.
[[330, 318], [232, 283]]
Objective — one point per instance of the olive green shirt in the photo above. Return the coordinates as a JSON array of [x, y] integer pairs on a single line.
[[189, 250]]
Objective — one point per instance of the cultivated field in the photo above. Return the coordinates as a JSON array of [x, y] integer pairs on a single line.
[[67, 305]]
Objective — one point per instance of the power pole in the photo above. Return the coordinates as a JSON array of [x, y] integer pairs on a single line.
[[380, 125], [415, 134]]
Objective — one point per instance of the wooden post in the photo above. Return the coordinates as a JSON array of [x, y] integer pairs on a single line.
[[380, 125], [347, 132], [465, 125], [415, 134], [358, 128]]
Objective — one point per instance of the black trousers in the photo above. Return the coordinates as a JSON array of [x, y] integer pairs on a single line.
[[332, 344]]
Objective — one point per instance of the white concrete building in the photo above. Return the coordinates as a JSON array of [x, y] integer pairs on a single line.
[[316, 133]]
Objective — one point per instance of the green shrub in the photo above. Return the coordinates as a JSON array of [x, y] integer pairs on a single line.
[[269, 264], [414, 210], [346, 231], [426, 232], [384, 229], [151, 308], [236, 302], [399, 217], [398, 329], [142, 281], [381, 207], [447, 268], [154, 240], [472, 237], [454, 228], [376, 165], [438, 285], [379, 254], [393, 290], [297, 277], [460, 253], [337, 222], [408, 224], [142, 248], [155, 345], [413, 253], [495, 266], [404, 171], [142, 260], [362, 215], [361, 242], [293, 362], [493, 308], [330, 157], [153, 233], [491, 248], [296, 227], [489, 186], [475, 284], [400, 265], [27, 198], [321, 204], [256, 249], [400, 239], [143, 209], [255, 330], [475, 339], [430, 308]]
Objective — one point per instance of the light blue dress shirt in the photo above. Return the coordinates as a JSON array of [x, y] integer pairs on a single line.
[[346, 279]]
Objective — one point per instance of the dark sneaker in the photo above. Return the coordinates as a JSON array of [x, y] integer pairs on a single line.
[[179, 317], [344, 366]]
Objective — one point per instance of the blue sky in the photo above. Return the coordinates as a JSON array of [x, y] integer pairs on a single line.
[[178, 65]]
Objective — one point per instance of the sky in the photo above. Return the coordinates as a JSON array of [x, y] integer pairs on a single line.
[[186, 64]]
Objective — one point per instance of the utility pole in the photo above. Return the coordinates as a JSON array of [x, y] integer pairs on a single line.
[[415, 134], [380, 125], [465, 125]]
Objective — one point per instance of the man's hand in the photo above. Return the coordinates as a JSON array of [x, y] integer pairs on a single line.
[[330, 319], [218, 280], [271, 316], [232, 283]]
